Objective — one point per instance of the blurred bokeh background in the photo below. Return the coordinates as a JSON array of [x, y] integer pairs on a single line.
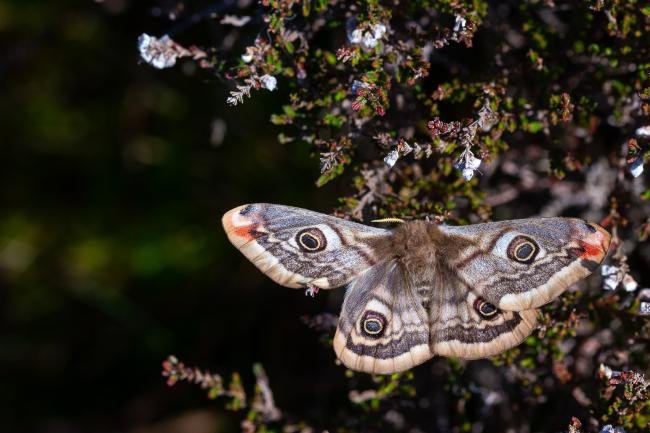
[[112, 254]]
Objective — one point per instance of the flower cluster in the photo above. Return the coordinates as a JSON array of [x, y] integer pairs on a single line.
[[369, 38], [163, 52]]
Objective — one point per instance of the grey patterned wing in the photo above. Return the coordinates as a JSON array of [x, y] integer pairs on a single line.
[[466, 326], [383, 327], [523, 264], [300, 248]]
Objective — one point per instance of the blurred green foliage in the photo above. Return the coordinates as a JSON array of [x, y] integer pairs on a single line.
[[111, 250]]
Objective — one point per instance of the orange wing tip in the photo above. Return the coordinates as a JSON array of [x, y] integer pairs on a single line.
[[595, 244], [238, 226]]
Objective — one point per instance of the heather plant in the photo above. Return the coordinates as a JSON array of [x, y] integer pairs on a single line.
[[459, 112]]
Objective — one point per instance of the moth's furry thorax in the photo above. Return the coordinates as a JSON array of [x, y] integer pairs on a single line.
[[417, 245], [411, 236]]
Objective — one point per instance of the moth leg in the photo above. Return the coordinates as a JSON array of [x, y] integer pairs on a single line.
[[311, 290]]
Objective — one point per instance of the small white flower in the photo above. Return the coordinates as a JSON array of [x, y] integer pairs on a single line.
[[391, 158], [459, 24], [615, 276], [644, 308], [144, 41], [608, 270], [378, 30], [356, 36], [467, 163], [643, 132], [636, 167], [269, 82], [369, 41], [612, 276], [472, 162], [159, 53], [468, 173], [247, 57], [610, 283], [629, 283]]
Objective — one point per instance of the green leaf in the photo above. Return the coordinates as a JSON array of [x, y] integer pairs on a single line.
[[330, 58], [334, 120], [289, 111], [333, 173]]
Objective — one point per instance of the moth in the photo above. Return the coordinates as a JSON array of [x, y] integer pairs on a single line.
[[421, 289]]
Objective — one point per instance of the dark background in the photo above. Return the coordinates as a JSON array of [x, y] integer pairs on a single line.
[[112, 254]]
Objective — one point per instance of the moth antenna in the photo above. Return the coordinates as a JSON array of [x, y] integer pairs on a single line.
[[388, 220]]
